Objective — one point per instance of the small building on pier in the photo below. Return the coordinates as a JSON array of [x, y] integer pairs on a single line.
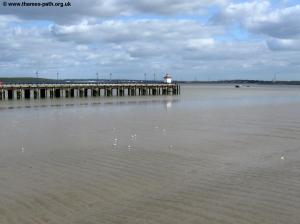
[[168, 78]]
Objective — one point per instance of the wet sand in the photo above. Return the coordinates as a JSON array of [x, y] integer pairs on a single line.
[[215, 154]]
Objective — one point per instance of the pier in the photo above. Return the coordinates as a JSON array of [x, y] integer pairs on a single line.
[[78, 90]]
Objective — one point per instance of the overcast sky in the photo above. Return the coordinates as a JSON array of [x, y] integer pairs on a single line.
[[216, 39]]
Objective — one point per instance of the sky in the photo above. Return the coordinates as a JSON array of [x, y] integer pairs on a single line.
[[192, 40]]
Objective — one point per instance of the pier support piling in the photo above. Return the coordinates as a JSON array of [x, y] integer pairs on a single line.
[[43, 91]]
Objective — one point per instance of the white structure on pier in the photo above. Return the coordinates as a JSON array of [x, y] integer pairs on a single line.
[[168, 78]]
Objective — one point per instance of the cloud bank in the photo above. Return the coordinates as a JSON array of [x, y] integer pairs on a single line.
[[193, 40]]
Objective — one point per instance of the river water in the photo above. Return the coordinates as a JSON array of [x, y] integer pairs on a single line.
[[214, 154]]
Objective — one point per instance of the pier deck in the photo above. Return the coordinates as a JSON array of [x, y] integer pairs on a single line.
[[75, 90]]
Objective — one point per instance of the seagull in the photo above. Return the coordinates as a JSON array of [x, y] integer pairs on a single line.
[[22, 148], [133, 136], [282, 157]]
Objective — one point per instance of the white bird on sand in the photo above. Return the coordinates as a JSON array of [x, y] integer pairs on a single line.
[[282, 157], [22, 148]]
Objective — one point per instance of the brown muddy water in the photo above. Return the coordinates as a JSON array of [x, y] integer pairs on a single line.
[[214, 154]]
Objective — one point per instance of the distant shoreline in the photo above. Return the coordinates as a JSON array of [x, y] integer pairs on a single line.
[[21, 80], [243, 82]]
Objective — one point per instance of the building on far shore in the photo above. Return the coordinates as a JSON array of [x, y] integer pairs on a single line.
[[167, 78]]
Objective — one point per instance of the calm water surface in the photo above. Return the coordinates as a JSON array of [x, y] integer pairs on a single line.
[[214, 154]]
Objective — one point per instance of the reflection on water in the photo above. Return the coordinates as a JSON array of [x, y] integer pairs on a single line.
[[85, 102], [168, 104]]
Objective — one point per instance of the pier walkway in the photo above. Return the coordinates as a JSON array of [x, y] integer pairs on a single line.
[[75, 90]]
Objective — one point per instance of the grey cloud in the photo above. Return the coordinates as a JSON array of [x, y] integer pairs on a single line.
[[91, 9], [281, 25], [142, 50], [277, 44], [78, 11], [259, 17], [27, 49], [118, 31], [241, 12], [222, 51], [165, 7], [108, 31]]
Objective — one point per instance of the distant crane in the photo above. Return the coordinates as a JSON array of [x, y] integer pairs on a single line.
[[275, 78], [37, 76]]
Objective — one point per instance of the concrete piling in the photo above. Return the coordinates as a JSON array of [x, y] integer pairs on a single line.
[[45, 91]]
